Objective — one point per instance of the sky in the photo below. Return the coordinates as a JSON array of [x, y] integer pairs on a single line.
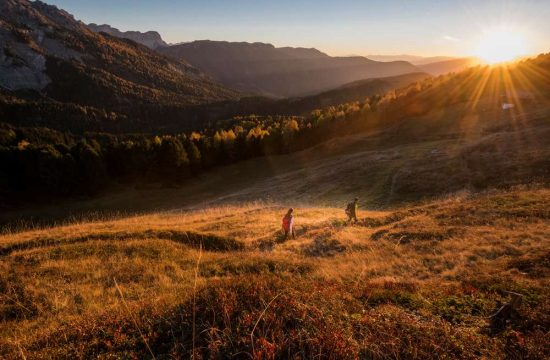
[[343, 27]]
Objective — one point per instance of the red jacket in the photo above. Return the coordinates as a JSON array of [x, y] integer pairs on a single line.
[[288, 222]]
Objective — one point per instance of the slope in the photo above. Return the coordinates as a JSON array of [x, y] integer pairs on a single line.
[[47, 50], [447, 151], [417, 282], [355, 91]]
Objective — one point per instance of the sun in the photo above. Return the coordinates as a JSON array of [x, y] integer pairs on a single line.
[[498, 45]]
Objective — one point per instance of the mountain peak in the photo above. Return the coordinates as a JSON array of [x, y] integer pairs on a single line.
[[151, 39]]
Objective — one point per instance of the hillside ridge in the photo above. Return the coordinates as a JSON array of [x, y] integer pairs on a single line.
[[281, 72]]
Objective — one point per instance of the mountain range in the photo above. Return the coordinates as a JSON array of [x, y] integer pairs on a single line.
[[280, 72], [263, 69], [56, 71]]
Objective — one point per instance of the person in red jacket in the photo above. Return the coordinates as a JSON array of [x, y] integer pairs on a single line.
[[288, 224]]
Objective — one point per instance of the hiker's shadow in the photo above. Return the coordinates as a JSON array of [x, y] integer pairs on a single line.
[[268, 243], [281, 238]]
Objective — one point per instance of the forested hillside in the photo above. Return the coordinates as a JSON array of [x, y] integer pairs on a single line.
[[53, 61], [464, 107]]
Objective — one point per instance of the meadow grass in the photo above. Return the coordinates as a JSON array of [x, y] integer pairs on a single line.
[[416, 282]]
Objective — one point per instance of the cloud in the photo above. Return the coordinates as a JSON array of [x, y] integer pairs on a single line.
[[450, 38]]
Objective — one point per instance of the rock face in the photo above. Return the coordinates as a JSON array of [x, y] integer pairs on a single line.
[[21, 67], [151, 39], [28, 35]]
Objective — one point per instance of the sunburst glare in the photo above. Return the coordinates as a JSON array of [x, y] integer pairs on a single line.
[[501, 44]]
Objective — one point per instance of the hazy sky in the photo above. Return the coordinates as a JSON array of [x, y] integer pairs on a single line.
[[344, 27]]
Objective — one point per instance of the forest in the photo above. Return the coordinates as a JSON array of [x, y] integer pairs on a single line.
[[41, 163]]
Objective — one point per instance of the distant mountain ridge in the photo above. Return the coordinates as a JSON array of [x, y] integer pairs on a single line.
[[263, 69], [355, 91], [433, 65], [413, 59], [279, 72], [448, 66], [151, 39]]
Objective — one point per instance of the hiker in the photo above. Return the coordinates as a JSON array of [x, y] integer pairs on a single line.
[[351, 210], [288, 224]]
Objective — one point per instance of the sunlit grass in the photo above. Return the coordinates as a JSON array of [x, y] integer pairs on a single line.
[[403, 266]]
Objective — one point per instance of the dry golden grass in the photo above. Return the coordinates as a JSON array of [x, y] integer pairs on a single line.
[[438, 267]]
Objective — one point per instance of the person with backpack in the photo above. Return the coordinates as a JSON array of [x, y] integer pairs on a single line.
[[288, 224], [351, 210]]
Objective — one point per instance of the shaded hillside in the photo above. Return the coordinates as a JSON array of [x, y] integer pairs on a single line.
[[459, 148], [47, 50], [281, 72], [355, 91], [352, 92]]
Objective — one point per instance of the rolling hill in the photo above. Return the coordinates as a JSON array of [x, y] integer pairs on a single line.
[[433, 65], [280, 72], [354, 91], [351, 92]]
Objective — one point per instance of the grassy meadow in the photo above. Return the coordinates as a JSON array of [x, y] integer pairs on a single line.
[[465, 146], [413, 282]]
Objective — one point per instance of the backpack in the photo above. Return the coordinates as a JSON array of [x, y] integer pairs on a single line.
[[349, 208]]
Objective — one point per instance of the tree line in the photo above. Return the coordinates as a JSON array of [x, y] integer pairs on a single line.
[[40, 162]]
